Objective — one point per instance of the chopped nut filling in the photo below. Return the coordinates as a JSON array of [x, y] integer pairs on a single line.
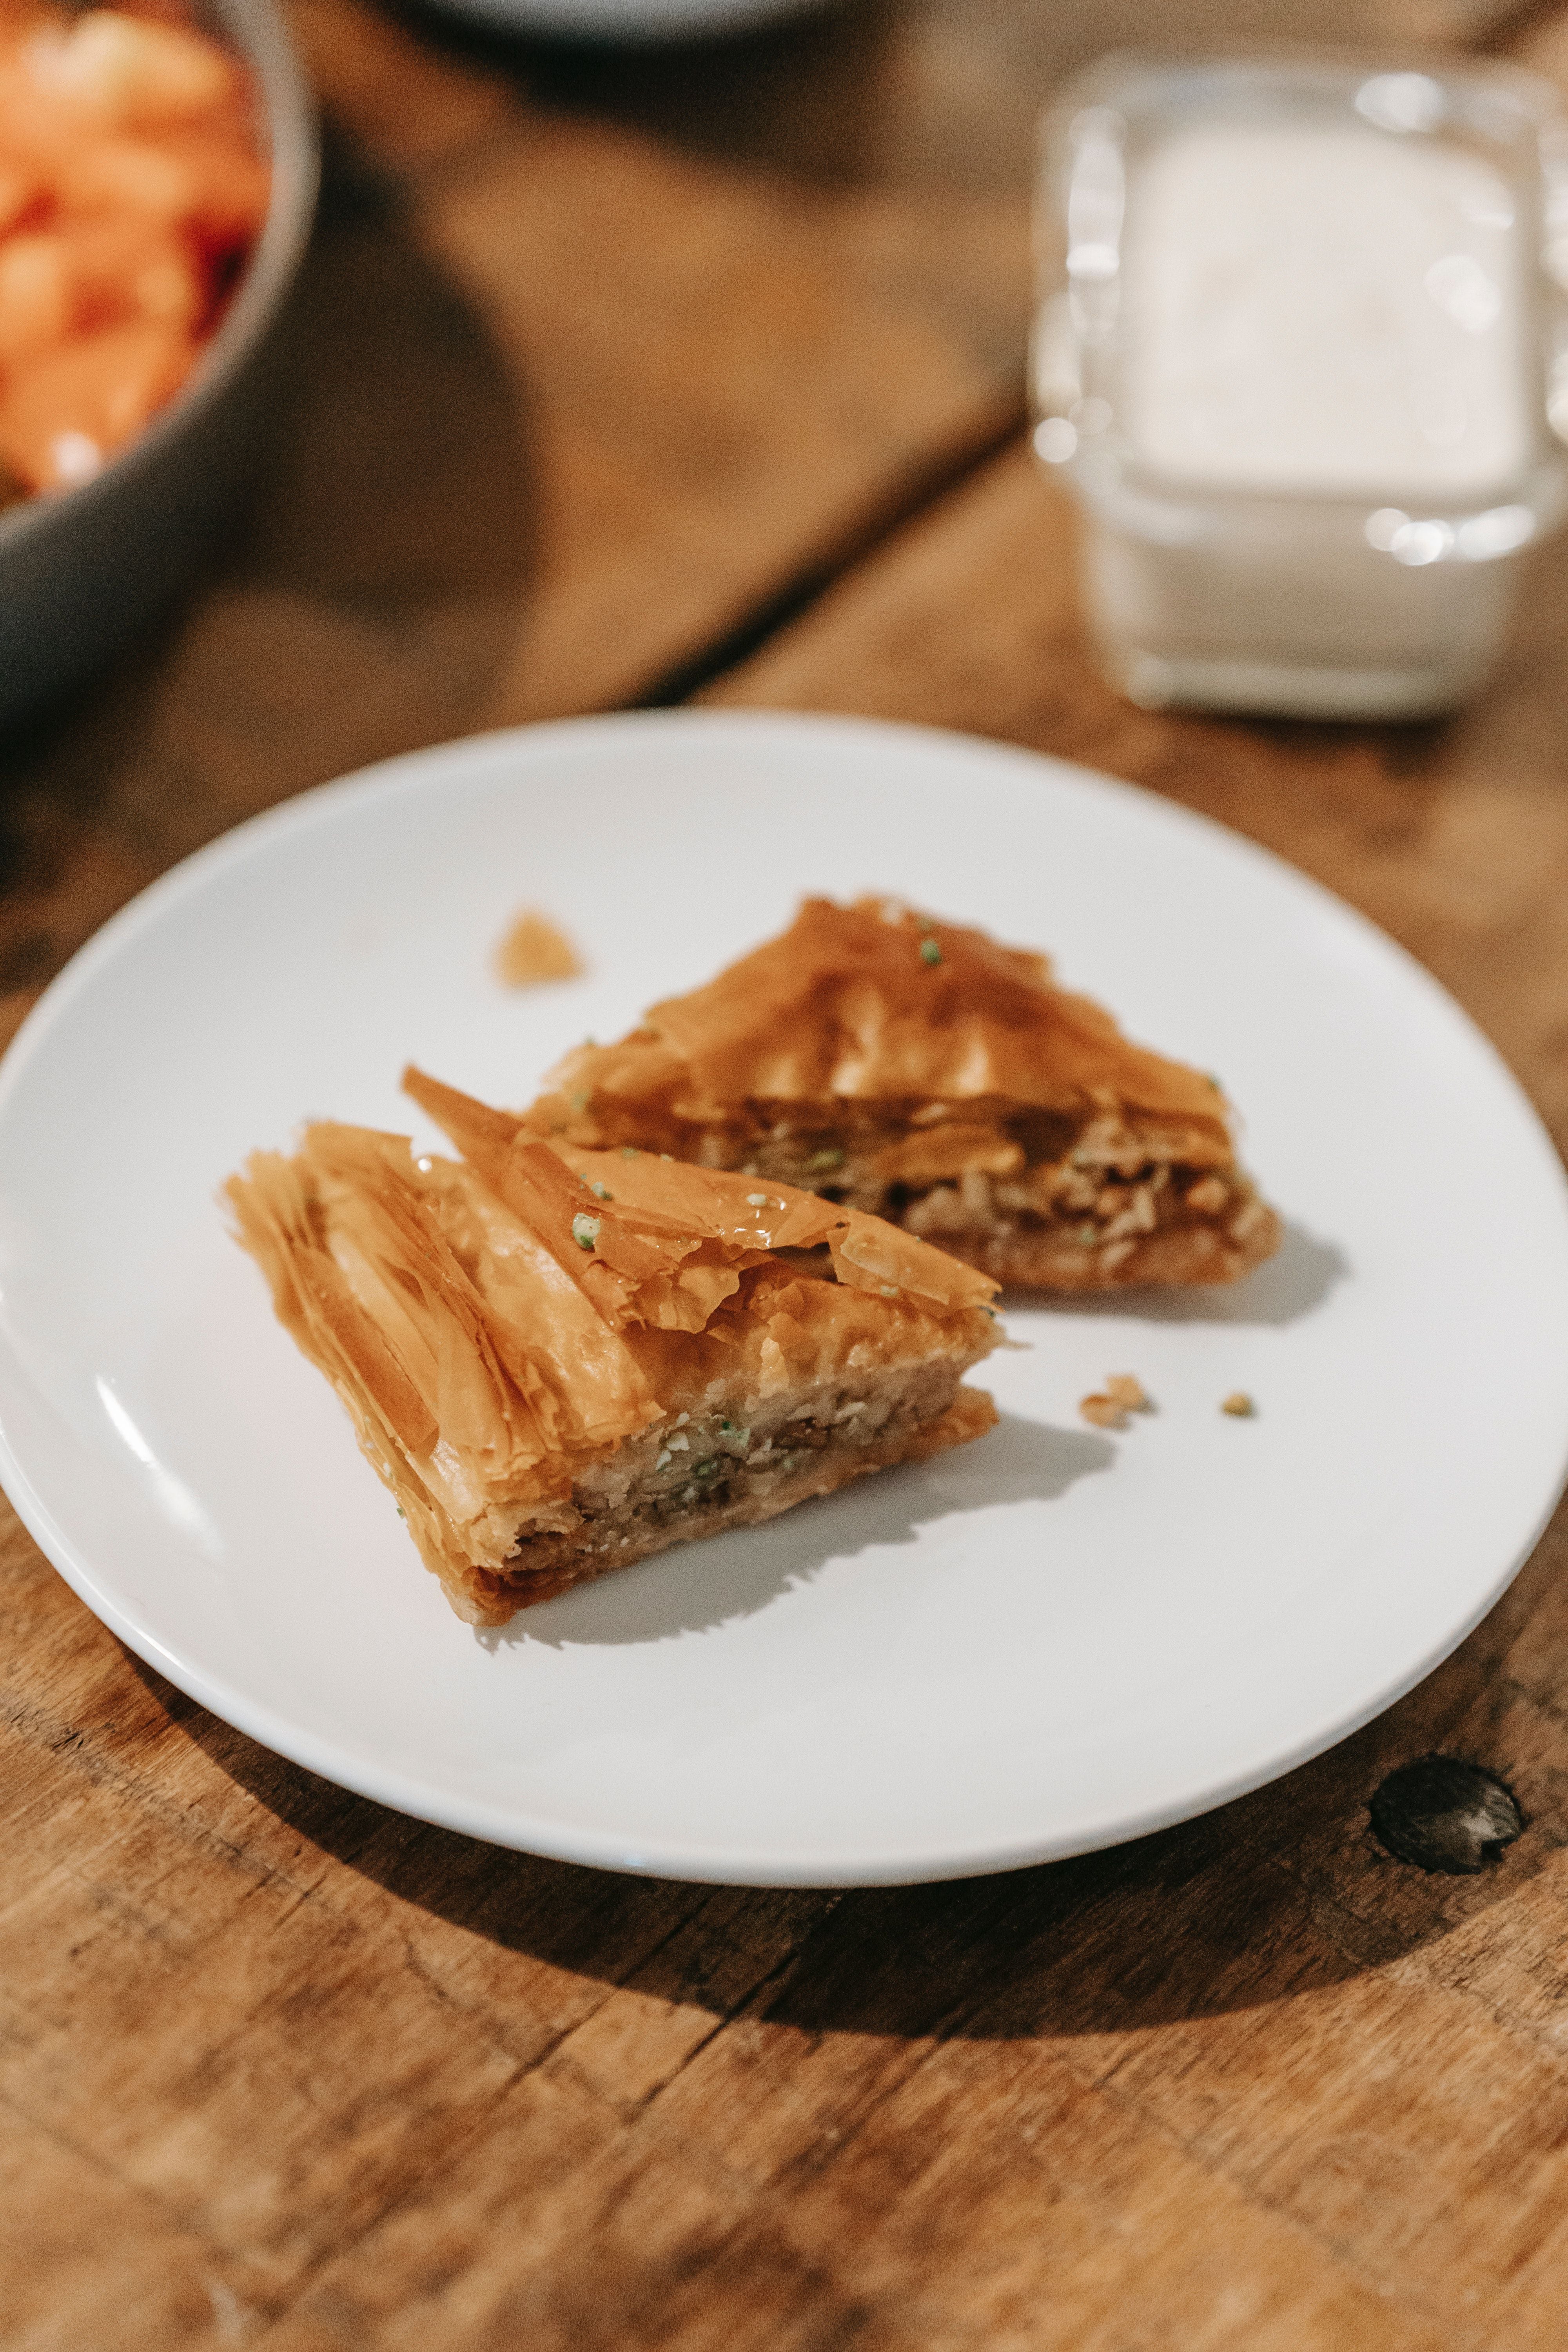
[[923, 1073]]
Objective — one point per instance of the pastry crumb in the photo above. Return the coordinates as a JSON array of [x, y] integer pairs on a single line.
[[1108, 1407], [1238, 1405], [534, 949]]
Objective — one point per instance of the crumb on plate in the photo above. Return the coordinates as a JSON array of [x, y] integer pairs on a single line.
[[1108, 1407], [1238, 1405], [535, 949]]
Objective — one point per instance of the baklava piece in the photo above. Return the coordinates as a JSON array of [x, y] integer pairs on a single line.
[[561, 1361], [920, 1071]]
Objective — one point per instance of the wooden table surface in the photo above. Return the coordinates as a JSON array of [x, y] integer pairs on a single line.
[[630, 380]]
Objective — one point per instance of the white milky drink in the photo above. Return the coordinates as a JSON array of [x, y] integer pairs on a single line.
[[1296, 358], [1325, 309]]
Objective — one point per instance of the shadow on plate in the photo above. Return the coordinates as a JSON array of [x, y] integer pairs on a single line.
[[1293, 1283], [1282, 1893], [695, 1587]]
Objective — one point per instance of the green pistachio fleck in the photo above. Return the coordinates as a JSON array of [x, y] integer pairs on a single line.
[[577, 1102], [1088, 1235], [738, 1437], [584, 1232], [628, 1151], [831, 1156], [1214, 1082], [708, 1469], [930, 951], [602, 1191], [401, 1512]]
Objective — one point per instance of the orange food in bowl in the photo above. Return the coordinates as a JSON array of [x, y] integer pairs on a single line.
[[130, 193]]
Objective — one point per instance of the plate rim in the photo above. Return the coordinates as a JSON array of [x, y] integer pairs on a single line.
[[511, 1827]]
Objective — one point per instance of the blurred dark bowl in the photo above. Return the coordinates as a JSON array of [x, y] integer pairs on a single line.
[[81, 570], [629, 23]]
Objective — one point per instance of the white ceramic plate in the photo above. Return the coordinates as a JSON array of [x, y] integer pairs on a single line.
[[1044, 1643]]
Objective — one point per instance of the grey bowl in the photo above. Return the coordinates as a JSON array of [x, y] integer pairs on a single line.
[[81, 570]]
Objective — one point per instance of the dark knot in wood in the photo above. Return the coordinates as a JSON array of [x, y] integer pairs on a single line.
[[1441, 1814]]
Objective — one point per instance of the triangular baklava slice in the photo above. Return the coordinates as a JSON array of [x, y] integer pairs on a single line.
[[923, 1073], [561, 1361]]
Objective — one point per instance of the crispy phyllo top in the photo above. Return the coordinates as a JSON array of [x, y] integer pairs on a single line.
[[874, 1001], [652, 1241], [491, 1325]]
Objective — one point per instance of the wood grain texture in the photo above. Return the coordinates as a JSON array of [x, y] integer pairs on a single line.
[[568, 401], [279, 2068], [598, 363]]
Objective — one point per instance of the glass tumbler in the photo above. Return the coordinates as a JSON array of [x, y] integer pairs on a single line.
[[1300, 350]]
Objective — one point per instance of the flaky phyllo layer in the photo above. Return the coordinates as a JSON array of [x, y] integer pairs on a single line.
[[547, 1354], [924, 1073]]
